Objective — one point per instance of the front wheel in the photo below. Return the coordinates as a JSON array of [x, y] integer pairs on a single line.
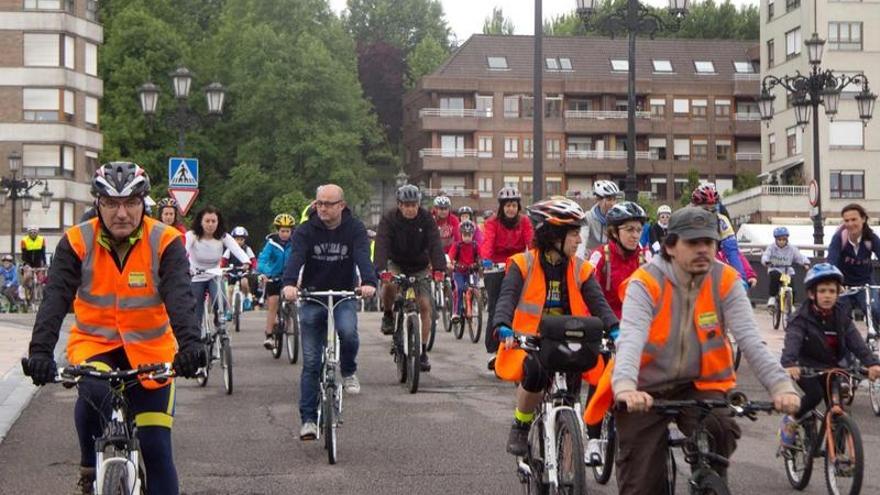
[[874, 394], [291, 338], [439, 309], [328, 415], [788, 298], [226, 364], [710, 484], [845, 462], [414, 348], [475, 319], [776, 314], [115, 480], [608, 441], [571, 476], [799, 458], [278, 336], [237, 307]]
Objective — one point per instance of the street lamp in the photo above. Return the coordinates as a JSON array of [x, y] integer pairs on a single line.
[[816, 87], [12, 188], [634, 19], [185, 118]]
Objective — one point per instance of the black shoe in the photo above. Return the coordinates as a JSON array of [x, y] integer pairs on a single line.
[[518, 440], [387, 324], [491, 364], [424, 364], [86, 480]]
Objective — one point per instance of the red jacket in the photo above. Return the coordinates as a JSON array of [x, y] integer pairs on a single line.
[[611, 275], [500, 243], [750, 272], [448, 229], [463, 255]]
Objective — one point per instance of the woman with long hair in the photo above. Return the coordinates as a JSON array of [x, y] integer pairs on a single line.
[[850, 251], [168, 212]]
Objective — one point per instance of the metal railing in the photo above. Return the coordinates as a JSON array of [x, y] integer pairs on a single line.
[[748, 156], [603, 114], [750, 76], [609, 155], [748, 116], [455, 192], [454, 112], [766, 190], [448, 153]]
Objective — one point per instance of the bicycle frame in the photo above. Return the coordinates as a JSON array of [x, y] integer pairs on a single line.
[[833, 379], [408, 306], [869, 320]]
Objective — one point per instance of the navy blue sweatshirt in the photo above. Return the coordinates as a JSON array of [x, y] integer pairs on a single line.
[[328, 257], [856, 267]]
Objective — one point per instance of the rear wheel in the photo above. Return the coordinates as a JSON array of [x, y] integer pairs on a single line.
[[475, 324], [711, 484], [608, 440], [569, 454], [291, 338], [278, 334], [788, 298], [226, 364], [328, 410], [237, 308], [399, 356], [775, 313], [799, 459], [115, 480], [439, 309], [414, 350], [843, 472]]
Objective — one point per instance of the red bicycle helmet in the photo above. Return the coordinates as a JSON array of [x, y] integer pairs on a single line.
[[705, 195]]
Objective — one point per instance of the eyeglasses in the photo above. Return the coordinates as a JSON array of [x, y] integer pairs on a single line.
[[326, 204], [632, 229], [128, 203]]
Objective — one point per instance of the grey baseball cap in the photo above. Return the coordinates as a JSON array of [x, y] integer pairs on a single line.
[[692, 222]]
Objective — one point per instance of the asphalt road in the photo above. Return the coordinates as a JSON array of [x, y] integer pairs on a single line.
[[448, 438]]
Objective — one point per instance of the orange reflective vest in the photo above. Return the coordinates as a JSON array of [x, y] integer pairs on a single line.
[[121, 309], [659, 360], [530, 307]]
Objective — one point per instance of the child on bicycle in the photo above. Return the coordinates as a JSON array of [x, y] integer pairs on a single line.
[[240, 234], [821, 335], [781, 256], [271, 264], [464, 256], [9, 279]]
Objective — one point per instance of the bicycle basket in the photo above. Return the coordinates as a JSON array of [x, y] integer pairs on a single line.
[[569, 344]]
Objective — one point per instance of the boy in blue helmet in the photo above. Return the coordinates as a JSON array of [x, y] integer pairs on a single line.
[[778, 257]]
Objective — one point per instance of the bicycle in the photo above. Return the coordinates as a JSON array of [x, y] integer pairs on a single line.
[[33, 289], [237, 296], [216, 337], [832, 435], [781, 311], [472, 309], [872, 339], [566, 347], [608, 432], [119, 466], [407, 340], [330, 396], [441, 309]]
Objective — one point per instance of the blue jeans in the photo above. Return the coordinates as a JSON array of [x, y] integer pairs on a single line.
[[858, 300], [313, 327], [459, 281], [199, 289]]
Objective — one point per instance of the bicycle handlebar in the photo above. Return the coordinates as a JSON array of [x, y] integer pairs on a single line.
[[808, 372], [69, 374], [737, 402], [306, 293]]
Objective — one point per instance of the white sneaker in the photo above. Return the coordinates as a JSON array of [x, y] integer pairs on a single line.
[[351, 384], [771, 302], [269, 343], [593, 452], [309, 431]]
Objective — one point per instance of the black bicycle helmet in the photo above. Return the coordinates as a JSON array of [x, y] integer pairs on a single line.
[[466, 210], [467, 227], [409, 193], [120, 180], [624, 212]]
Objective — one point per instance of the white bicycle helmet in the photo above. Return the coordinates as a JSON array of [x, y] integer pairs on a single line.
[[605, 189], [664, 209], [508, 193], [442, 202], [239, 232]]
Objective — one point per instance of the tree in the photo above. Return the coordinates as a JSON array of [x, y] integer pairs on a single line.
[[692, 183], [743, 181], [403, 23], [427, 56], [497, 23], [381, 70]]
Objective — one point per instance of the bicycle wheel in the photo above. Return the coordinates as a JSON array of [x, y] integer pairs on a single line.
[[202, 378], [439, 312], [115, 480], [328, 413], [414, 349], [291, 338], [845, 463], [798, 460], [671, 471], [710, 483], [458, 327], [535, 459], [874, 395], [399, 356], [476, 327], [278, 335], [788, 297], [446, 313], [608, 440], [236, 311], [776, 314], [226, 363], [570, 471]]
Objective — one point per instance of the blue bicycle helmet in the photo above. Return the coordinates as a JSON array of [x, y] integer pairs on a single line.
[[780, 232], [820, 272]]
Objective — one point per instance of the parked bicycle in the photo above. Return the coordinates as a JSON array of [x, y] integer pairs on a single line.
[[471, 309], [781, 311], [833, 435], [330, 380], [407, 340], [119, 466], [216, 337], [872, 339]]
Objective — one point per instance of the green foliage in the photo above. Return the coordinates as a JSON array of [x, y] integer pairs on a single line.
[[403, 23], [692, 183], [427, 56], [497, 23], [743, 181]]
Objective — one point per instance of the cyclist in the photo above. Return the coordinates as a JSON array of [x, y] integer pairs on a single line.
[[447, 223], [168, 211], [705, 196], [821, 334], [780, 256], [685, 297], [33, 255], [328, 249], [593, 232], [205, 244], [9, 278], [371, 235], [271, 264], [240, 235], [506, 233], [464, 256], [547, 279], [653, 234], [617, 260], [123, 258], [850, 251], [466, 214], [408, 242]]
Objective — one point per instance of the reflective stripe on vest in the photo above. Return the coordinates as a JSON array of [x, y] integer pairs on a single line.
[[662, 362]]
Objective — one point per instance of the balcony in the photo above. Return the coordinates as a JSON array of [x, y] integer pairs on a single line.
[[608, 155], [604, 121], [748, 156], [451, 119], [747, 124], [746, 84], [457, 159], [603, 114], [593, 161], [457, 193], [769, 200], [748, 116]]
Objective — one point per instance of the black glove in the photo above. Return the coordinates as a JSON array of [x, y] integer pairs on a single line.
[[42, 369], [189, 359]]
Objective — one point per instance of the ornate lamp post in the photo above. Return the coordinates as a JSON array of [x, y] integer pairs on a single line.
[[12, 188], [633, 19]]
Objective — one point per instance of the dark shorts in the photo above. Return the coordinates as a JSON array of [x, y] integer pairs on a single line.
[[273, 288]]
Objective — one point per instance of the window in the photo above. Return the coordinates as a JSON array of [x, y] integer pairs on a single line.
[[451, 145], [552, 63], [580, 105], [527, 148], [847, 184], [565, 63], [845, 36], [452, 103], [657, 147], [722, 108], [553, 186], [91, 163], [698, 109], [528, 107], [511, 181], [662, 66], [48, 4], [658, 107], [69, 55], [511, 147], [49, 219], [553, 148], [68, 162], [91, 59], [484, 147], [621, 105], [42, 50], [682, 149], [771, 53], [793, 43], [704, 67], [771, 140], [511, 107], [69, 107], [484, 106], [791, 141], [743, 68], [620, 65], [92, 10], [484, 185], [41, 105], [553, 107], [452, 182], [40, 160], [678, 187], [579, 143], [846, 134], [91, 111], [700, 149], [770, 7], [792, 4], [722, 149], [681, 107], [497, 63]]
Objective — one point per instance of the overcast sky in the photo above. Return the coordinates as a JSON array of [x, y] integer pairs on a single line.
[[466, 16]]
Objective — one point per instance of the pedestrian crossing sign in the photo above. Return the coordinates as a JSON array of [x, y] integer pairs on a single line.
[[183, 172]]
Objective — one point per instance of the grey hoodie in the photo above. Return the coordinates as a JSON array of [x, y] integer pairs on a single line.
[[638, 314]]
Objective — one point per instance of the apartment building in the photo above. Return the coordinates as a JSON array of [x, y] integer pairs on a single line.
[[468, 125], [50, 92], [849, 152]]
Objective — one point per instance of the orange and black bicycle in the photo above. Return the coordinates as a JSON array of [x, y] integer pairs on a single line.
[[471, 308]]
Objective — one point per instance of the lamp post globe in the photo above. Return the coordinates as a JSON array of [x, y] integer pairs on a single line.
[[181, 82], [46, 197], [215, 94], [865, 101], [14, 161], [148, 94], [815, 45]]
